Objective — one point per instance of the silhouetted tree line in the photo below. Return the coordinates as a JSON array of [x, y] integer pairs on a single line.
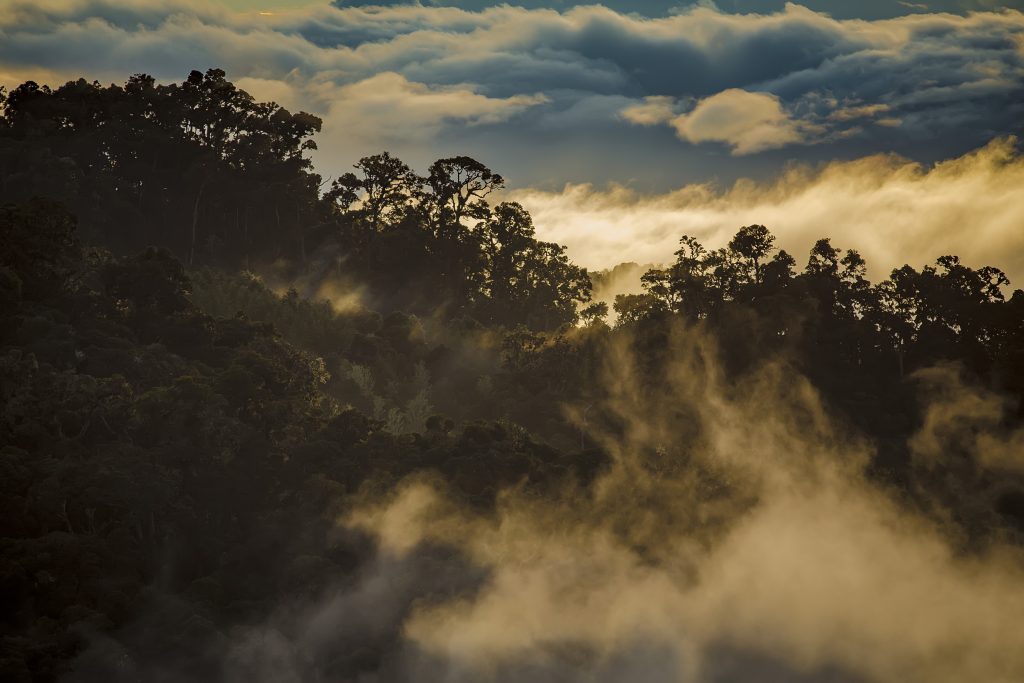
[[848, 334], [177, 440], [220, 179], [406, 238], [200, 166]]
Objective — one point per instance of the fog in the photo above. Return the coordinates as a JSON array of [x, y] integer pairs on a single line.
[[735, 537]]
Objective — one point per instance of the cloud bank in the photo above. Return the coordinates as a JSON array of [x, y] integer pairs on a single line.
[[735, 538], [892, 210], [530, 90]]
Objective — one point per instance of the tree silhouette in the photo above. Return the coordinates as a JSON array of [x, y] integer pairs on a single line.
[[178, 437], [752, 244], [525, 279], [460, 186]]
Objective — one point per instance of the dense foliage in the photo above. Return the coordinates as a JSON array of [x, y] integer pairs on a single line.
[[203, 169], [858, 341], [178, 439]]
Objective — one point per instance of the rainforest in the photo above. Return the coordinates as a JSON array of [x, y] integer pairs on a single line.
[[266, 423]]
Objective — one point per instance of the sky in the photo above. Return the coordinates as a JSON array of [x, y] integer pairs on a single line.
[[628, 104]]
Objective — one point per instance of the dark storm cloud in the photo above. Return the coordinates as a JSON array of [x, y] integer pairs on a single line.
[[538, 86]]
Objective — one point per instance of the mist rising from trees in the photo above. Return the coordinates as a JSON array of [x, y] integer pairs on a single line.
[[458, 470]]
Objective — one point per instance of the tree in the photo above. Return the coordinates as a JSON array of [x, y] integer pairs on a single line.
[[699, 280], [527, 280], [40, 248], [632, 308], [684, 286], [779, 272], [753, 243], [823, 260], [594, 314], [460, 186], [150, 163], [387, 190]]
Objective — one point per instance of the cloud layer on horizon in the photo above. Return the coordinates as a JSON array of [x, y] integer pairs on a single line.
[[532, 91], [894, 211]]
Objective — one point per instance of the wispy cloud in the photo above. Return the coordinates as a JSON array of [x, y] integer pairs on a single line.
[[387, 110], [768, 556]]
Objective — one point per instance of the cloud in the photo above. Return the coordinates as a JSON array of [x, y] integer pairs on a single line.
[[951, 82], [863, 111], [863, 9], [893, 210], [735, 538], [387, 110], [748, 122], [389, 101], [654, 110], [967, 420]]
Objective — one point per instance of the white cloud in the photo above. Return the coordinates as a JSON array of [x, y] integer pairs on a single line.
[[385, 110], [748, 82], [748, 122], [656, 109], [799, 561], [893, 210], [388, 102], [751, 122]]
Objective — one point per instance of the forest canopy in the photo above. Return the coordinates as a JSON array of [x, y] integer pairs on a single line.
[[220, 179], [186, 416]]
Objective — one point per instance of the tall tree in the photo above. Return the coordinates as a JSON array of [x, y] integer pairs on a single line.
[[459, 187], [527, 280], [753, 243]]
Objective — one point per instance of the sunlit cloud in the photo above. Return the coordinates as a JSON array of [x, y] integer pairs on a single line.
[[893, 210], [700, 86], [655, 109], [387, 110], [748, 122], [798, 569]]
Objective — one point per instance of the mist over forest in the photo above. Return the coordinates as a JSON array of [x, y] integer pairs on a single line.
[[264, 425]]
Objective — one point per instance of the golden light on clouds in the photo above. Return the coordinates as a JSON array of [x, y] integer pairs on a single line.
[[799, 558], [443, 465], [892, 210], [748, 122], [385, 110]]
